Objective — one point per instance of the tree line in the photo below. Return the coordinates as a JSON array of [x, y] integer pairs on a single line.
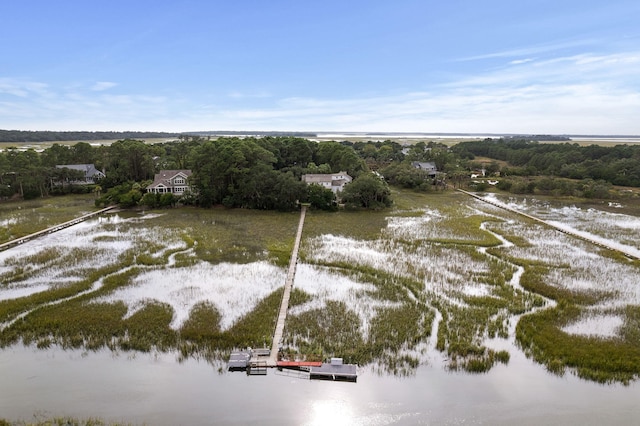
[[265, 172], [258, 173], [52, 136], [617, 165]]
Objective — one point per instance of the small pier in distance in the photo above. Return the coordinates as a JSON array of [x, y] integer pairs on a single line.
[[604, 245], [53, 229]]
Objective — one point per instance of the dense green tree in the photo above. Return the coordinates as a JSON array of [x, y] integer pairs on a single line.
[[49, 136], [56, 155], [321, 169], [168, 200], [26, 173], [340, 157], [618, 165], [82, 153], [129, 160], [150, 200], [289, 151], [230, 171], [407, 176], [368, 191], [320, 197]]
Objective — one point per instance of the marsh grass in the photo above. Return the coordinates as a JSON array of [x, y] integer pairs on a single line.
[[431, 252], [203, 324], [35, 215], [149, 329], [580, 278], [467, 231], [12, 307], [335, 329], [199, 338], [61, 421], [331, 330], [235, 236], [593, 358], [362, 225], [80, 322], [533, 280], [449, 229]]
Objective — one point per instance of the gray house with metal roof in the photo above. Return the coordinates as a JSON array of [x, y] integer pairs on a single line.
[[91, 174]]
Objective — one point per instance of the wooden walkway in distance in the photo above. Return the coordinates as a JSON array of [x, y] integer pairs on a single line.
[[563, 230], [284, 305], [54, 228]]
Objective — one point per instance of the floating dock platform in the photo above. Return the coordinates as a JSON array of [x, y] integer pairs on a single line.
[[335, 370], [298, 364], [239, 361]]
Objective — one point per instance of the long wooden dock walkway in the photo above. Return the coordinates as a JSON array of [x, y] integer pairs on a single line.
[[284, 305], [544, 222], [54, 228]]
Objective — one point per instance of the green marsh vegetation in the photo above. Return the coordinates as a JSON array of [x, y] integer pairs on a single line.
[[473, 291], [61, 421], [20, 218], [430, 260], [433, 255], [586, 284], [70, 315]]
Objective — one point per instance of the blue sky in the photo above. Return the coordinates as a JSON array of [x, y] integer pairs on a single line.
[[560, 66]]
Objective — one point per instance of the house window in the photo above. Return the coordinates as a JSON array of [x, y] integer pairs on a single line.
[[178, 181]]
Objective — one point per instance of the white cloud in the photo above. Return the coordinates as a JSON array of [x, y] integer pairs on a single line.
[[531, 50], [22, 88], [585, 93], [521, 61], [249, 95], [103, 85]]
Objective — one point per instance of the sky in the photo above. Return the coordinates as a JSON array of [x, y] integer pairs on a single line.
[[455, 66]]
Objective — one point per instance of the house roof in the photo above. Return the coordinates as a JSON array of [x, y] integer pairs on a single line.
[[316, 178], [425, 165], [336, 178], [165, 177], [88, 169]]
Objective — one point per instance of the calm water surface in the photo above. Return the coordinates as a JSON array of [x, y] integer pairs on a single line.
[[157, 390]]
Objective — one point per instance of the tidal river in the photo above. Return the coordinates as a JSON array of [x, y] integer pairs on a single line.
[[155, 389]]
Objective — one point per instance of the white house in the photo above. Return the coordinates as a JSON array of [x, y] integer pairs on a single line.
[[332, 181], [170, 181]]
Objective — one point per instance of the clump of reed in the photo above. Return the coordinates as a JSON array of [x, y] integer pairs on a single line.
[[61, 421], [603, 360]]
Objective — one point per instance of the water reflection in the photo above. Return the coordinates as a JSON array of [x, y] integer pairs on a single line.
[[331, 412], [155, 389]]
